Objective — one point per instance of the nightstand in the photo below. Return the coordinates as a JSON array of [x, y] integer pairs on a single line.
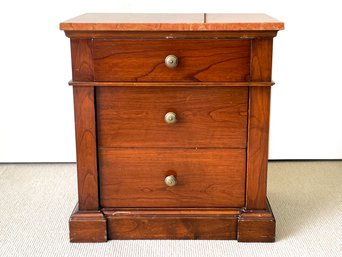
[[172, 121]]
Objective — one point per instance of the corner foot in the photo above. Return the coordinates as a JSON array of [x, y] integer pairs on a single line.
[[87, 226], [256, 226]]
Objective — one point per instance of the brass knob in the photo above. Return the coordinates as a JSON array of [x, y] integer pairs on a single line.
[[170, 118], [170, 181], [171, 61]]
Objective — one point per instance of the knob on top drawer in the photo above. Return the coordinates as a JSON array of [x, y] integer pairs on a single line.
[[172, 60]]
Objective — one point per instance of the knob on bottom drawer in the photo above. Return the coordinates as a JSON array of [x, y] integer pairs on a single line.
[[170, 180]]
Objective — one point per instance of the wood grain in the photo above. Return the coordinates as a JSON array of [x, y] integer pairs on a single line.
[[87, 226], [85, 126], [206, 178], [206, 117], [172, 211], [258, 126], [261, 60], [82, 59], [139, 225], [199, 60], [257, 226]]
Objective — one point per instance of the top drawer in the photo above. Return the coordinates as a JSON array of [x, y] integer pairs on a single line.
[[198, 60]]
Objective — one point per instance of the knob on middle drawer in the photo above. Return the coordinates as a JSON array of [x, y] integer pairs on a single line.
[[170, 117]]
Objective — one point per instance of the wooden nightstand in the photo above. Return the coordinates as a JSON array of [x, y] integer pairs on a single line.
[[172, 120]]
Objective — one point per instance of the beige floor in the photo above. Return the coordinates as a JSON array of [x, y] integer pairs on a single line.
[[37, 199]]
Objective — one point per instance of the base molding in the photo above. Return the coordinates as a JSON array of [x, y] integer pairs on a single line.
[[172, 223], [87, 226]]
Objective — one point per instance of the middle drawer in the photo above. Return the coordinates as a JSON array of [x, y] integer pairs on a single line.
[[205, 116]]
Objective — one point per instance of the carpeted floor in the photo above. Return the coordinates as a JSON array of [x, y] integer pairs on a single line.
[[36, 201]]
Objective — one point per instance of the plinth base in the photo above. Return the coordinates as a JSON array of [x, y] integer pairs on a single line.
[[172, 223]]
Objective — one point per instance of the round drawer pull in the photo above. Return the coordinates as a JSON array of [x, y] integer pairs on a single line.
[[170, 181], [171, 61], [170, 118]]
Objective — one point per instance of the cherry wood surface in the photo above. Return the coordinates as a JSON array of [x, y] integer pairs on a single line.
[[205, 178], [172, 211], [257, 226], [171, 227], [86, 148], [258, 125], [172, 21], [87, 226], [82, 59], [85, 125], [172, 223], [198, 60], [206, 117]]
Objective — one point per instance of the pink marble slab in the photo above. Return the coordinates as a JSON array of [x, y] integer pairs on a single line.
[[171, 22]]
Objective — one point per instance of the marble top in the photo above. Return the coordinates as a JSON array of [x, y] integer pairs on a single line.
[[172, 22]]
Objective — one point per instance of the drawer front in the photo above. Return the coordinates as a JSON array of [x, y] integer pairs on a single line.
[[205, 117], [205, 178], [198, 60]]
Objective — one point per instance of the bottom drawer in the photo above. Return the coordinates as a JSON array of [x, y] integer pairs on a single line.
[[205, 177]]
